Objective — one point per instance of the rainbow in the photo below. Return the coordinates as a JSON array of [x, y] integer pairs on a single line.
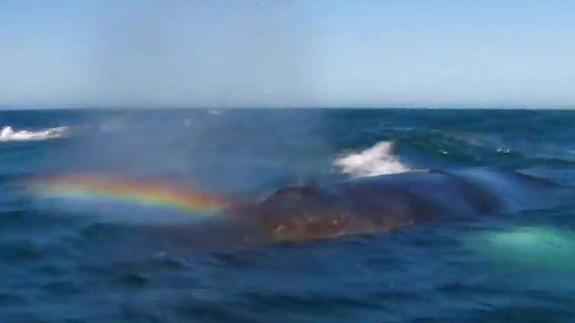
[[146, 193]]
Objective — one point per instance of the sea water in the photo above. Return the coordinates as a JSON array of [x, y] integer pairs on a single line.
[[64, 262]]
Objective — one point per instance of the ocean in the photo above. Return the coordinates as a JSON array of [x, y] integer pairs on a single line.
[[127, 255]]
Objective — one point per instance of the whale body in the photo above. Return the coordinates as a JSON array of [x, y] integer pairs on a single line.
[[388, 202]]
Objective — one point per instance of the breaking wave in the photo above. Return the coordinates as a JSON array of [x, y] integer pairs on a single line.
[[9, 134], [376, 160]]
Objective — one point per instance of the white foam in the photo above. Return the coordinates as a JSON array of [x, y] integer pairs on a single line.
[[374, 161], [9, 134], [216, 112]]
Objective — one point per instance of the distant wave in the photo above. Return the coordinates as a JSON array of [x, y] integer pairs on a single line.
[[9, 134], [376, 160], [216, 112]]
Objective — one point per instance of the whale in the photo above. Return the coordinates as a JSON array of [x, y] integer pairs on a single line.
[[351, 206], [385, 203]]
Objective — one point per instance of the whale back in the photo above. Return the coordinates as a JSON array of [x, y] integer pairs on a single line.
[[387, 202]]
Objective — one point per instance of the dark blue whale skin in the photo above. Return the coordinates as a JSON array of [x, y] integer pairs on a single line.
[[387, 202]]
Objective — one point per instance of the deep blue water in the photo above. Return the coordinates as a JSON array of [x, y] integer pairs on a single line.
[[58, 266]]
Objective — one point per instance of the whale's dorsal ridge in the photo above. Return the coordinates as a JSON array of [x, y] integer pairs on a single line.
[[297, 191]]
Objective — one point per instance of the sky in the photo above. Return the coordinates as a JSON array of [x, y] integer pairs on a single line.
[[287, 53]]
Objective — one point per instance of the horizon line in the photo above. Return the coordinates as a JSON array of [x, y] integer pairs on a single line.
[[9, 108]]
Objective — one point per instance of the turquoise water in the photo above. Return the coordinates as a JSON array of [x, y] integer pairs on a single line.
[[65, 264]]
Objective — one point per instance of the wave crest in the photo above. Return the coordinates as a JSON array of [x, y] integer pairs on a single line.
[[376, 160], [9, 134]]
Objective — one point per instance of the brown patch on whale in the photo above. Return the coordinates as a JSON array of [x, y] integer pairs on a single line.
[[310, 213]]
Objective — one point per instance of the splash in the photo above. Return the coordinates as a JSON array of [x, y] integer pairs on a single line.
[[374, 161], [529, 247], [9, 134], [142, 193]]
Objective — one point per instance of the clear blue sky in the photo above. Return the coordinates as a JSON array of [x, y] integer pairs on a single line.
[[379, 53]]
